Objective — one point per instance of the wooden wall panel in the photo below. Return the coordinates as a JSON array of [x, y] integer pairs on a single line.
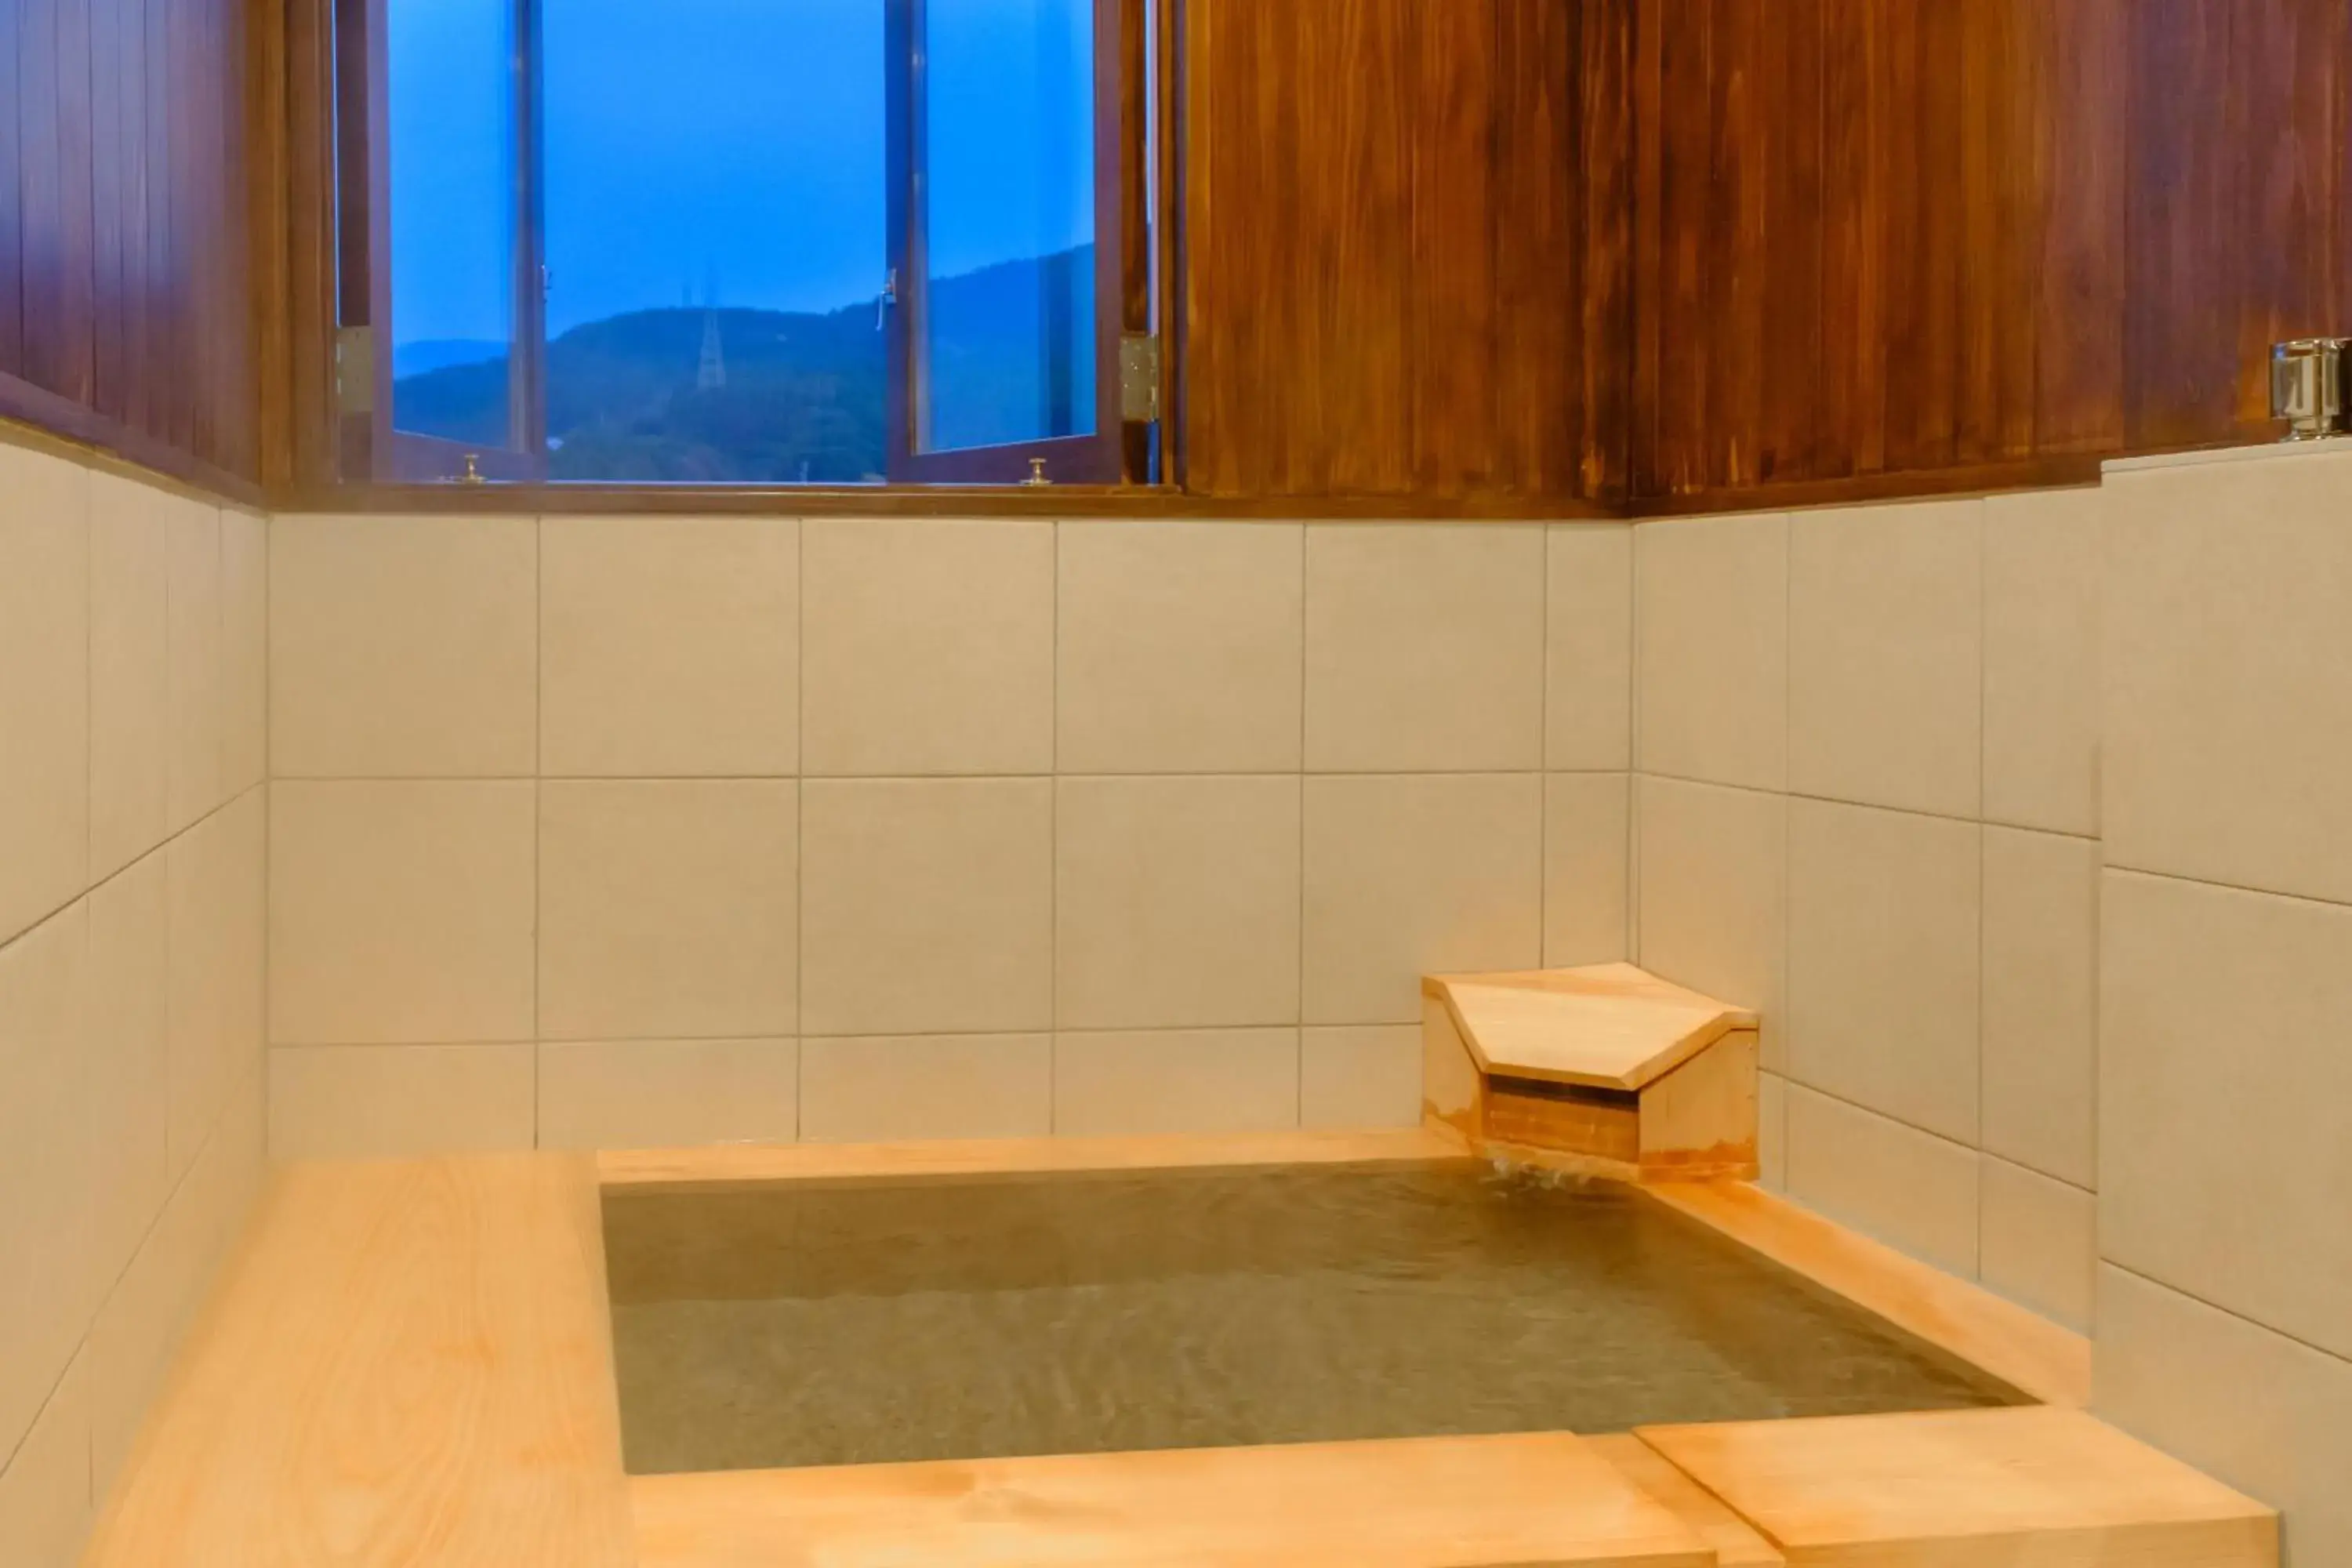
[[1907, 244], [128, 312], [1403, 276]]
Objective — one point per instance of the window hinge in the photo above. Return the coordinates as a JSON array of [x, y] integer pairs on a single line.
[[1139, 378], [354, 369]]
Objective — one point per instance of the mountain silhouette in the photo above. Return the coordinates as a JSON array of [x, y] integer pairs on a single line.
[[803, 395]]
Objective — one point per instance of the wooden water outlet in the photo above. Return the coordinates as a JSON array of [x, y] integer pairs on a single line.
[[1607, 1068]]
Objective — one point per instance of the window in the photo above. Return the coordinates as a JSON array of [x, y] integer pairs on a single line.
[[760, 242]]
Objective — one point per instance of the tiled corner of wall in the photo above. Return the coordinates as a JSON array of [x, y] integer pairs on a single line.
[[1831, 706]]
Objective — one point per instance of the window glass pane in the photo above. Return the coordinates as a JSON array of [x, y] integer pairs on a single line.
[[716, 239], [451, 150], [1006, 348]]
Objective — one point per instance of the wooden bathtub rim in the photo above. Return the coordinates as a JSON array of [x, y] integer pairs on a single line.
[[2040, 1359], [754, 1166], [181, 1448]]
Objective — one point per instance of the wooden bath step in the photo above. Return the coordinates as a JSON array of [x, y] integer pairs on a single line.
[[1606, 1066], [2029, 1487], [1516, 1501]]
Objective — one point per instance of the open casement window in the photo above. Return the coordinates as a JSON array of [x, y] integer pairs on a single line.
[[439, 160], [1005, 234], [756, 242]]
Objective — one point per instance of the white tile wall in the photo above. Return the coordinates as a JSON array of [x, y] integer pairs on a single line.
[[131, 951]]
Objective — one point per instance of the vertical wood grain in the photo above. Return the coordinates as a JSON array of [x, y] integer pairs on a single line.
[[1452, 404], [1606, 153], [77, 299], [1532, 354], [12, 206], [109, 305], [2080, 158], [1792, 379], [40, 169], [1384, 246]]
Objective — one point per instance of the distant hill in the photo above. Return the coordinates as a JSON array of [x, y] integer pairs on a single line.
[[439, 354], [804, 393]]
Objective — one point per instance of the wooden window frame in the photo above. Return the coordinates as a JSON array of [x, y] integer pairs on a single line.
[[1132, 55]]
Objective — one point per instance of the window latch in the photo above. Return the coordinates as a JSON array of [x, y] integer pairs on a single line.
[[889, 297]]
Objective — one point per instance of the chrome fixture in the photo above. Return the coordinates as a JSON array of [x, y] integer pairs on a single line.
[[2307, 386]]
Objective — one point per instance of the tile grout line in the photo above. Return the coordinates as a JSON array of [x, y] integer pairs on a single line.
[[1054, 843], [1304, 528], [2230, 1312], [1983, 528], [538, 805], [1543, 757], [800, 826]]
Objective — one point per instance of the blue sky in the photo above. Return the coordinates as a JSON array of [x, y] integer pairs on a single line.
[[734, 141]]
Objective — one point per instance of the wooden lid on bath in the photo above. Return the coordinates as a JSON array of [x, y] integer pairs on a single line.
[[1607, 1025]]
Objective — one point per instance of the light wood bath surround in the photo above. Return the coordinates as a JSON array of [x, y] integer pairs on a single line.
[[410, 1364]]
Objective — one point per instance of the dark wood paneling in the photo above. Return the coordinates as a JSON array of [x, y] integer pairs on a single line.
[[1888, 237], [1399, 280], [11, 197], [127, 302]]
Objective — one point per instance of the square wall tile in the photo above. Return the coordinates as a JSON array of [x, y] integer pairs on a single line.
[[1359, 1076], [2041, 1002], [1176, 902], [1424, 648], [1588, 825], [1588, 647], [245, 651], [1713, 903], [670, 647], [46, 1297], [1169, 1081], [404, 647], [130, 1082], [1180, 647], [1884, 928], [1711, 649], [2183, 1376], [927, 646], [1887, 654], [669, 1094], [1408, 876], [882, 1088], [402, 912], [2040, 1244], [2225, 640], [1911, 1190], [926, 906], [667, 908], [2222, 1086], [45, 1491], [2042, 660], [43, 686], [196, 777], [129, 673], [400, 1103]]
